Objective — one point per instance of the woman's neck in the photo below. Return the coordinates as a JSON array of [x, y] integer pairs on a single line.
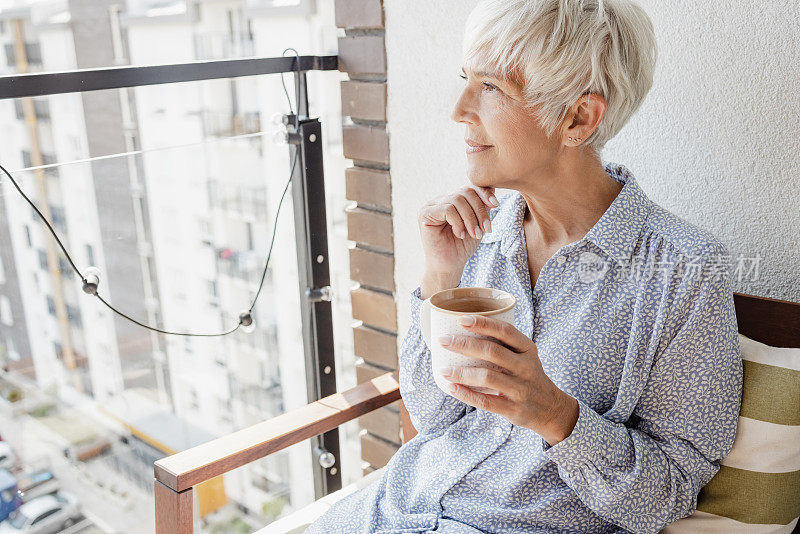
[[569, 206]]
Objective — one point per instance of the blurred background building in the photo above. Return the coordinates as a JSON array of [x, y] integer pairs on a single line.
[[171, 191]]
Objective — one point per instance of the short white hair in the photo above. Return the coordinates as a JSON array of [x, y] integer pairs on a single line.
[[559, 50]]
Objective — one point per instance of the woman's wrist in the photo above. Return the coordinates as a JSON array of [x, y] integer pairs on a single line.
[[565, 418], [433, 282]]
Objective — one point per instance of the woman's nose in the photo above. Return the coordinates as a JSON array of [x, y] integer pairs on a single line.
[[460, 113]]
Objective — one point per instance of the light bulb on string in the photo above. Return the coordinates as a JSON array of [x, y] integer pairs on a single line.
[[277, 118], [280, 135], [246, 322]]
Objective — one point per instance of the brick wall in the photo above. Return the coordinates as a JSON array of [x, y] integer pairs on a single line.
[[362, 56]]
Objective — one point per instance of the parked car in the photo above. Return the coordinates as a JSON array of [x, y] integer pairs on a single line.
[[36, 483], [10, 499], [7, 457], [43, 515]]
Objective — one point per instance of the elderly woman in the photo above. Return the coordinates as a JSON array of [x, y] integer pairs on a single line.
[[621, 375]]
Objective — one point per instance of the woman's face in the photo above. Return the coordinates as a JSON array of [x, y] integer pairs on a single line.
[[494, 114]]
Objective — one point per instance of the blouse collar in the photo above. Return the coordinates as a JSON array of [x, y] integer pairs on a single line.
[[615, 233]]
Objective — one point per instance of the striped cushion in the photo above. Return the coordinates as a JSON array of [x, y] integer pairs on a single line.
[[757, 488]]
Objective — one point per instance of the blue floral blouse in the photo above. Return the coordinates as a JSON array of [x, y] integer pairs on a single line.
[[636, 321]]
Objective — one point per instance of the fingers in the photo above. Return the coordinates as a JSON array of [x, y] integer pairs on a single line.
[[486, 195], [500, 404], [483, 377], [467, 213], [484, 349], [501, 330], [453, 218], [480, 208]]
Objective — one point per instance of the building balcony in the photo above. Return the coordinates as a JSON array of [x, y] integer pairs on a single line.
[[228, 124]]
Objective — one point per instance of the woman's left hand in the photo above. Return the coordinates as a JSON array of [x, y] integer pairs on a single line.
[[527, 395]]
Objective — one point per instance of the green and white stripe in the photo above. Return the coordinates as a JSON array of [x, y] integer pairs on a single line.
[[757, 488]]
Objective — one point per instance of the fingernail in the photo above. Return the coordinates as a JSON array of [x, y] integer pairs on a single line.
[[463, 233], [493, 200], [466, 320], [487, 226], [446, 371], [445, 340], [478, 233]]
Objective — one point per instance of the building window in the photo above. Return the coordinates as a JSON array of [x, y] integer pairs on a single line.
[[28, 236], [33, 54], [5, 311], [59, 218], [225, 410], [74, 316], [42, 259], [194, 403], [65, 268], [11, 350], [27, 160], [89, 254], [249, 226], [41, 108], [51, 306]]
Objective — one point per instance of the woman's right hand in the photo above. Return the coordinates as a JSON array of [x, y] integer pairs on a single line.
[[451, 227]]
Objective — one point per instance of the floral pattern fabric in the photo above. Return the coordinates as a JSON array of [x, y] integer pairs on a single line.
[[636, 321]]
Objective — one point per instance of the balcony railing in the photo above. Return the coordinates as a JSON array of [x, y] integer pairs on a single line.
[[177, 474], [240, 199]]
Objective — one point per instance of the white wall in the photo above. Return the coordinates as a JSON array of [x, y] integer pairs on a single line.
[[714, 142]]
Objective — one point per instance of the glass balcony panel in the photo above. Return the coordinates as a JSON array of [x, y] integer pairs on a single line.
[[176, 207]]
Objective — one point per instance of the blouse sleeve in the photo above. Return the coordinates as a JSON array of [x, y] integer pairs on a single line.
[[429, 408], [648, 475]]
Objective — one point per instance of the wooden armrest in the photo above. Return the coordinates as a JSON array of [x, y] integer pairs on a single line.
[[185, 469]]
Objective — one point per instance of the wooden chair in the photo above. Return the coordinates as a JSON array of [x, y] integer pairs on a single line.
[[770, 321]]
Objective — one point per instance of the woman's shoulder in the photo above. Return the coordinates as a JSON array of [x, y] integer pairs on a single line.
[[686, 238]]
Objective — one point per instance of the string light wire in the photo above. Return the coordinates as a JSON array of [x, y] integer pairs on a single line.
[[244, 318]]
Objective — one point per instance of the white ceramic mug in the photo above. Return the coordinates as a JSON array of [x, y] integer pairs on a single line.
[[436, 321]]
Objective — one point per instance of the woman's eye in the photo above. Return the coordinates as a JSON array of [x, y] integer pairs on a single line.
[[485, 84]]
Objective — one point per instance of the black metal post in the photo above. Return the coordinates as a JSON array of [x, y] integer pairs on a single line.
[[311, 233]]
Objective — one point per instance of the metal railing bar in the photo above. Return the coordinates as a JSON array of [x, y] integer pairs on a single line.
[[73, 81], [206, 141]]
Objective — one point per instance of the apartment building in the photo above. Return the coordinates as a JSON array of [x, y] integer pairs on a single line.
[[179, 224]]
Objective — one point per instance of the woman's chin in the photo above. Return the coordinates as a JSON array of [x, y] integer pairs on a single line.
[[482, 180]]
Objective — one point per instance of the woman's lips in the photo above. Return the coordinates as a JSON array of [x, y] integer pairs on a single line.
[[476, 149]]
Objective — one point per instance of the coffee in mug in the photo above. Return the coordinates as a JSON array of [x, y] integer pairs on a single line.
[[471, 305], [440, 314]]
